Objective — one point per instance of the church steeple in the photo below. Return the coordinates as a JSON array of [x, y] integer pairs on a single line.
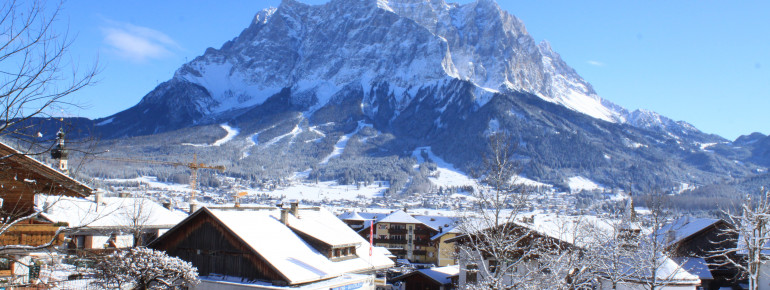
[[60, 152]]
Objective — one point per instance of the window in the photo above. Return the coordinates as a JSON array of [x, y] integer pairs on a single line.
[[471, 271], [5, 264]]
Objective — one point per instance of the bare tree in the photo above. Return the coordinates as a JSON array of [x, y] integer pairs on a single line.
[[33, 60], [36, 77], [135, 217], [498, 248], [752, 228], [612, 249]]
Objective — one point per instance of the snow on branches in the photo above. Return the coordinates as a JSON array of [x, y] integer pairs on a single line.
[[144, 269]]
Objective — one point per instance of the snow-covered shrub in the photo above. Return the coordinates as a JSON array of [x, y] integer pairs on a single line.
[[143, 268]]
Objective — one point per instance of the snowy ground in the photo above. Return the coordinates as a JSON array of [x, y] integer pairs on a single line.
[[448, 175], [231, 133]]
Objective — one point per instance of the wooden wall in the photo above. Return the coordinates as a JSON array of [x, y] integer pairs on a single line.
[[21, 178], [214, 249]]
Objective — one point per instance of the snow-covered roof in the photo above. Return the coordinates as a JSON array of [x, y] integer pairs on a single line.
[[667, 271], [695, 266], [671, 271], [435, 222], [683, 228], [570, 229], [376, 217], [109, 213], [292, 256], [351, 216], [454, 230], [400, 216], [442, 275], [324, 226]]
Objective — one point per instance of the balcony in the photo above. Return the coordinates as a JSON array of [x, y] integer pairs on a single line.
[[420, 252], [425, 232], [389, 241], [397, 231], [422, 242]]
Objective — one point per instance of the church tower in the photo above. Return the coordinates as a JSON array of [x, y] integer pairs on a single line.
[[61, 153]]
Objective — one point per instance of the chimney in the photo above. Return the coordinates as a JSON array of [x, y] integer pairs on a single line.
[[440, 229], [167, 205], [194, 207], [294, 208], [98, 197], [285, 216]]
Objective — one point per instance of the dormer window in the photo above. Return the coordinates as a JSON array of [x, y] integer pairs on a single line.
[[343, 253]]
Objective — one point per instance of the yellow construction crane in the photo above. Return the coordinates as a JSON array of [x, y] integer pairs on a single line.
[[194, 166]]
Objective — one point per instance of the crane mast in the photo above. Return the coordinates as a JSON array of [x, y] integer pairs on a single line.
[[193, 166]]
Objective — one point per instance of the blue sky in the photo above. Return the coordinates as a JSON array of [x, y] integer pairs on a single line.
[[704, 62]]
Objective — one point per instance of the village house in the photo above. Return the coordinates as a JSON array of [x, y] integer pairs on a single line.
[[271, 248], [695, 244], [106, 223], [548, 233], [22, 178], [417, 238]]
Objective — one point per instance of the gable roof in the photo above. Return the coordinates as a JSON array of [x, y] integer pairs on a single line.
[[286, 252], [455, 230], [76, 188], [325, 227], [441, 275], [399, 216], [351, 216], [111, 212], [695, 266], [684, 228], [436, 222]]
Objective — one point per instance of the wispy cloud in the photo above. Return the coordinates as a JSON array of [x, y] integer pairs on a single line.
[[595, 63], [137, 43]]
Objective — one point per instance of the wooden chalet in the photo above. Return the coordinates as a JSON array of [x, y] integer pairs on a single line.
[[282, 247], [694, 242], [21, 177]]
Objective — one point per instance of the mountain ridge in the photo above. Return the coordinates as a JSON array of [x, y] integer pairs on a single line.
[[421, 73]]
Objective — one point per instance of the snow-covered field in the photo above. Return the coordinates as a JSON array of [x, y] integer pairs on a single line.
[[151, 182], [329, 190], [578, 183]]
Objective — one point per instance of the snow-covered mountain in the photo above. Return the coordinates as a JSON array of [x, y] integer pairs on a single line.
[[317, 51], [424, 73]]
